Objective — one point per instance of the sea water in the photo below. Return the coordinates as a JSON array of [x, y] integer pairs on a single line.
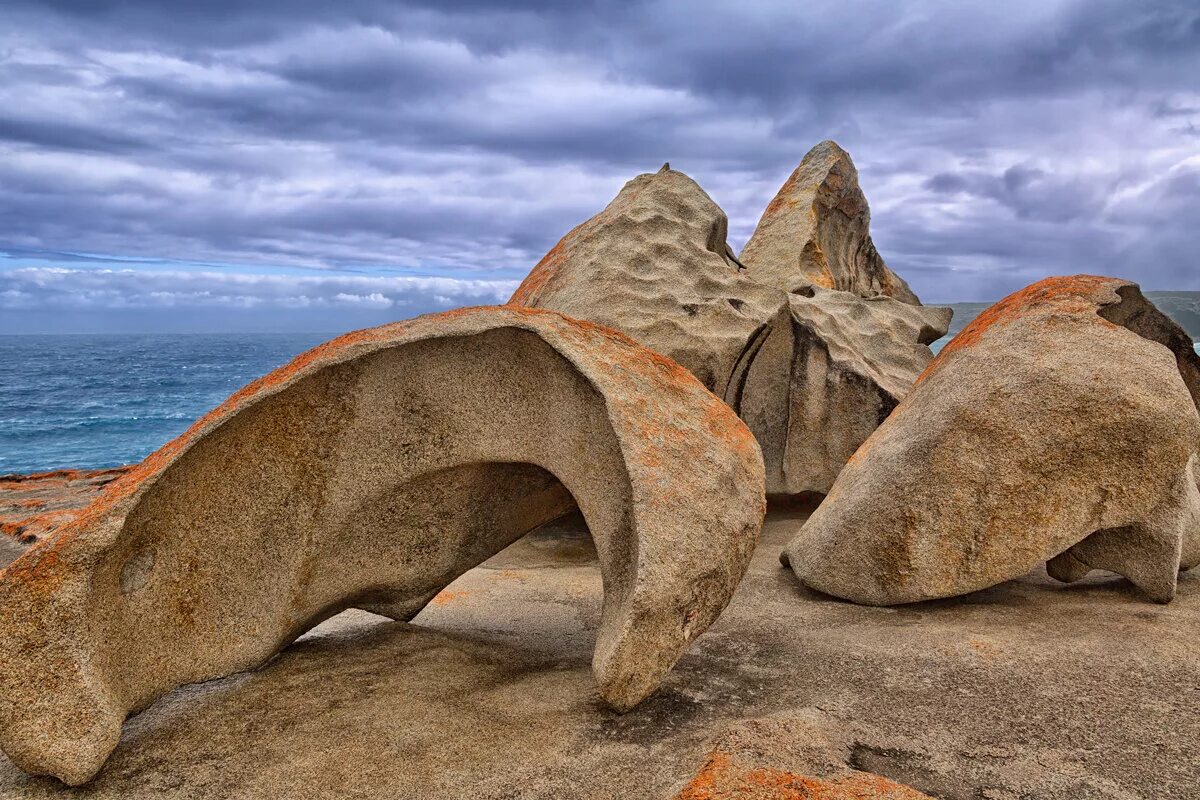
[[101, 401]]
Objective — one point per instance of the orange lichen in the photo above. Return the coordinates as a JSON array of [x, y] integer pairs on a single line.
[[530, 291], [446, 597], [723, 778], [1059, 295]]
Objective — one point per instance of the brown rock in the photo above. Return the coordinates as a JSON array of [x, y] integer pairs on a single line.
[[850, 362], [1060, 425], [369, 473], [817, 231]]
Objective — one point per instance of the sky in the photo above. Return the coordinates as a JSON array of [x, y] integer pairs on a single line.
[[308, 165]]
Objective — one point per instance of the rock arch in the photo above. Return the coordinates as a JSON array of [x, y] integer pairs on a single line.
[[371, 472]]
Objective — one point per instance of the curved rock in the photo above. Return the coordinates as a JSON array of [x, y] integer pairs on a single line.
[[1061, 425], [370, 472], [817, 231], [654, 264]]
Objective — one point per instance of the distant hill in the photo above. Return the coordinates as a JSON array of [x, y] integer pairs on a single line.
[[1183, 307]]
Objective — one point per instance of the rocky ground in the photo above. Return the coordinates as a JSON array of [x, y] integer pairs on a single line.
[[33, 506], [1028, 690]]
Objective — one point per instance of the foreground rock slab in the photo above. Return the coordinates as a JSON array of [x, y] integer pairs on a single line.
[[817, 231], [1061, 425], [488, 693], [370, 473]]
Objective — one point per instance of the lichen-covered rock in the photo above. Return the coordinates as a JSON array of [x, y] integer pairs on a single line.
[[817, 231], [1060, 426], [369, 473], [654, 264], [851, 361]]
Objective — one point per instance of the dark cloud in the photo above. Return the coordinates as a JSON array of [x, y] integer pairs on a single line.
[[998, 143]]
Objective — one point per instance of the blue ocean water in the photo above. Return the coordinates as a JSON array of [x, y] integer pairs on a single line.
[[100, 401]]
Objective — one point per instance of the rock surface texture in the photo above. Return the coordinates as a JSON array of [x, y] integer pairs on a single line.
[[1060, 426], [817, 231], [654, 264], [370, 473], [812, 371], [850, 362]]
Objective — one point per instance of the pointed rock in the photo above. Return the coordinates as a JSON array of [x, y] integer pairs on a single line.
[[817, 231], [812, 373], [1059, 426]]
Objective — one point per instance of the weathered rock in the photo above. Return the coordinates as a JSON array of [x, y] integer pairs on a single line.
[[1060, 425], [803, 371], [369, 473], [817, 231], [32, 507], [759, 760], [654, 264], [850, 362]]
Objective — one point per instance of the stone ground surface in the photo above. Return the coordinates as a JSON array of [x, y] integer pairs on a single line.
[[1028, 690], [33, 506]]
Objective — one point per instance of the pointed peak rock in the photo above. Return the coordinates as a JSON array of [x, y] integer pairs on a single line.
[[817, 231]]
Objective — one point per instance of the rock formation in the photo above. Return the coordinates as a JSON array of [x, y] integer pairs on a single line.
[[369, 473], [654, 264], [851, 361], [812, 371], [1060, 426], [817, 231]]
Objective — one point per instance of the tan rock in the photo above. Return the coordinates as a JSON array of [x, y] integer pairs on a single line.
[[654, 264], [850, 362], [1060, 425], [812, 373], [369, 473], [817, 231]]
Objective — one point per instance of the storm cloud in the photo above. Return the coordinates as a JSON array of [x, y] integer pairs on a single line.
[[997, 143]]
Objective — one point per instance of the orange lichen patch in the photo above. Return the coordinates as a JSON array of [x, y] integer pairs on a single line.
[[447, 597], [723, 778], [29, 505], [984, 649], [34, 528], [1073, 294]]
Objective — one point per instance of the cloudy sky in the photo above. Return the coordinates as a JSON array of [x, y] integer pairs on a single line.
[[218, 164]]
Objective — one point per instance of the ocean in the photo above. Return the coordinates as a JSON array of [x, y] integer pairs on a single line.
[[101, 401], [93, 401]]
